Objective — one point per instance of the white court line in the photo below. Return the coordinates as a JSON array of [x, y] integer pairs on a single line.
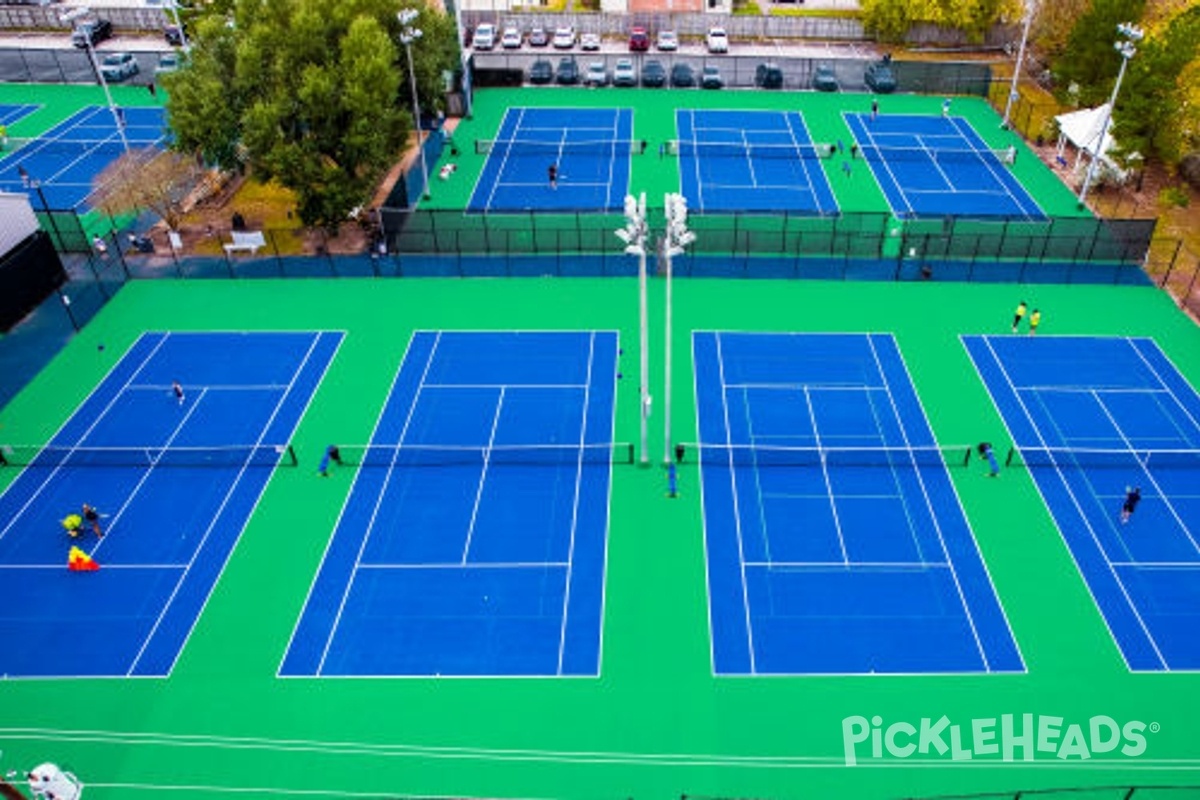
[[816, 387], [825, 495], [378, 500], [473, 565], [245, 387], [1158, 564], [79, 442], [848, 565], [497, 386], [972, 192], [880, 157], [487, 457], [811, 184], [146, 474], [758, 492], [932, 511], [933, 160], [708, 598], [543, 183], [1178, 400], [696, 163], [587, 396], [107, 565], [737, 513], [1149, 475], [1086, 521], [503, 163], [1091, 390], [837, 523], [749, 161], [216, 517], [612, 158]]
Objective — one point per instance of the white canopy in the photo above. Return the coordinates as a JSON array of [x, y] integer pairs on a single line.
[[1082, 129]]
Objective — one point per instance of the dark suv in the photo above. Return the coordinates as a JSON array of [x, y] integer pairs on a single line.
[[768, 76], [879, 77], [94, 31]]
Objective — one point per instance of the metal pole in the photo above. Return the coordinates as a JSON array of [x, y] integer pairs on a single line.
[[174, 7], [1012, 92], [112, 107], [644, 329], [666, 406], [412, 74], [1096, 156]]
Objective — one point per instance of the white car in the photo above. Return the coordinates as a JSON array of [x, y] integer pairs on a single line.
[[590, 41], [667, 40], [718, 42], [118, 66], [624, 73], [511, 38], [564, 37], [485, 37], [596, 75]]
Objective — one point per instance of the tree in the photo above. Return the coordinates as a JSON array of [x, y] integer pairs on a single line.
[[1153, 117], [890, 20], [311, 93], [1052, 24], [147, 178], [1088, 64]]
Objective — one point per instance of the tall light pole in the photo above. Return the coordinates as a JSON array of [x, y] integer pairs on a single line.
[[1130, 34], [634, 237], [173, 6], [1012, 90], [70, 17], [678, 237], [408, 35]]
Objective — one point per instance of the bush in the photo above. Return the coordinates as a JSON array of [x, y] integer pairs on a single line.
[[1189, 169], [747, 8], [1173, 197]]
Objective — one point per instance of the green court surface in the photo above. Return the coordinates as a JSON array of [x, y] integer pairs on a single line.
[[656, 723], [654, 121]]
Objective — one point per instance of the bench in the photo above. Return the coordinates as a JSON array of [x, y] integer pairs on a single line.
[[246, 240]]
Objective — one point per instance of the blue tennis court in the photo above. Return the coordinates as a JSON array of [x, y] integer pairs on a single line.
[[590, 147], [66, 159], [931, 166], [1092, 416], [174, 483], [836, 542], [762, 161], [11, 113], [473, 540]]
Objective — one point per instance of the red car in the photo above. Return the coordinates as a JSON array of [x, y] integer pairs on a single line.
[[639, 40]]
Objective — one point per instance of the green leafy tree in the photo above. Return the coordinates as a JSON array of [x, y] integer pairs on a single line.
[[890, 20], [1088, 64], [311, 93], [1052, 24], [1153, 117]]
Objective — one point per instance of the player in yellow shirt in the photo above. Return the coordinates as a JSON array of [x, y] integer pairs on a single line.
[[1035, 319], [1018, 315]]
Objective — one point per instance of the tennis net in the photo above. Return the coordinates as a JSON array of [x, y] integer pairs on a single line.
[[76, 147], [798, 151], [526, 147], [251, 455], [746, 455], [1103, 458], [946, 155], [418, 455]]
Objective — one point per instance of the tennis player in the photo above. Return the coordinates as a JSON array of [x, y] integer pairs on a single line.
[[177, 390], [985, 450], [92, 517], [552, 174], [1035, 319], [1018, 315], [1133, 496]]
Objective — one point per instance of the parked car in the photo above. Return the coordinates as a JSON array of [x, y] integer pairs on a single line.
[[564, 37], [682, 75], [824, 79], [624, 73], [94, 31], [768, 76], [485, 36], [168, 63], [654, 74], [639, 40], [118, 67], [590, 41], [710, 78], [596, 75], [568, 72], [542, 71], [538, 37], [667, 40], [879, 77], [718, 41], [511, 38]]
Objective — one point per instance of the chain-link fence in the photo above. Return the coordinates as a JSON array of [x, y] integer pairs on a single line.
[[37, 65], [957, 78]]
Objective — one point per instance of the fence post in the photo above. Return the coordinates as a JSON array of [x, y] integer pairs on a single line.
[[1171, 263], [1183, 301]]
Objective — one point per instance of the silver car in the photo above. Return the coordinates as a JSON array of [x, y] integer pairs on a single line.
[[118, 66]]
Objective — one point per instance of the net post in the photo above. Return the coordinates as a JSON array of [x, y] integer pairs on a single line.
[[3, 460], [967, 458], [289, 456], [1012, 453], [629, 456]]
